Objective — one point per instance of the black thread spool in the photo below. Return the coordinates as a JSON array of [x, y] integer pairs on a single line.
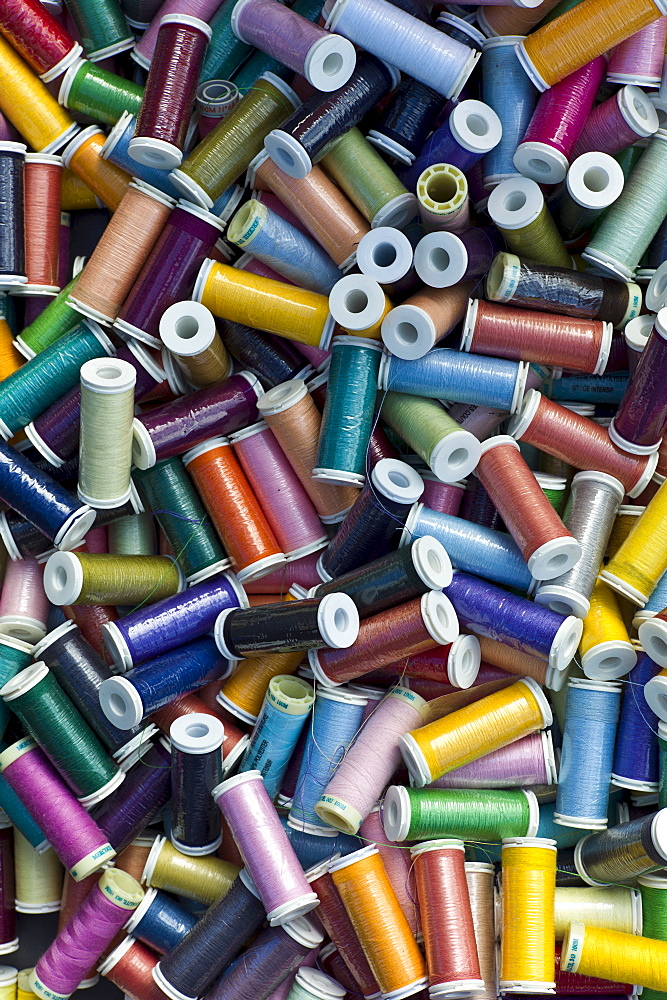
[[196, 768], [281, 628], [12, 246], [272, 359]]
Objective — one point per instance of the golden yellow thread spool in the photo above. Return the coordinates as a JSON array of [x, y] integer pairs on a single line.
[[636, 567], [8, 979], [243, 693], [605, 954], [251, 299], [75, 194], [377, 917], [624, 522], [605, 647], [206, 879], [528, 934], [616, 907], [39, 877], [29, 106], [24, 990], [83, 157], [475, 730], [10, 359]]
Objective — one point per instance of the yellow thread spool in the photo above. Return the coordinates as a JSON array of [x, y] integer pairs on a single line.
[[75, 194], [625, 520], [29, 106], [39, 877], [8, 979], [528, 934], [616, 907], [251, 299], [474, 731], [381, 925], [23, 988], [243, 693], [519, 211], [10, 359], [605, 647], [206, 879], [636, 567], [605, 954], [83, 157]]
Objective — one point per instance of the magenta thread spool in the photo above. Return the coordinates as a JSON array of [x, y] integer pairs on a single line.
[[641, 419], [617, 123], [262, 841], [164, 116], [639, 59], [74, 836], [24, 606], [8, 938], [545, 152], [443, 497], [196, 769]]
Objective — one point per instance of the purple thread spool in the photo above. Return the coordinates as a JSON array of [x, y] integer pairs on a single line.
[[278, 581], [8, 938], [641, 419], [639, 59], [145, 48], [528, 761], [443, 259], [617, 123], [75, 837], [176, 427], [472, 130], [443, 497], [265, 848]]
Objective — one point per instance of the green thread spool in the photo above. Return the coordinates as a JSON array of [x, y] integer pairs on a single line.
[[102, 27], [226, 151], [560, 8], [73, 748], [368, 181], [450, 452], [105, 441], [662, 745], [481, 815], [205, 879], [518, 209], [169, 493], [43, 380], [629, 158], [57, 319], [554, 489], [96, 92], [653, 889], [14, 656], [259, 63], [225, 52], [102, 578], [132, 536]]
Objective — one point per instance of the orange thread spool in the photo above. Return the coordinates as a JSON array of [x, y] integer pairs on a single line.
[[10, 359], [83, 157], [514, 661], [133, 859], [243, 693], [28, 104], [41, 195], [233, 509]]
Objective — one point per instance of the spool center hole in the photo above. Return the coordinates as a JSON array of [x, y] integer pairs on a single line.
[[215, 91], [596, 179], [341, 619], [439, 259], [434, 561], [442, 615], [407, 332], [515, 201], [558, 560], [196, 731], [477, 124], [117, 704], [560, 607], [356, 300], [658, 645], [610, 663], [398, 479], [441, 187], [538, 165], [284, 158], [61, 577], [333, 63], [186, 327], [291, 689], [458, 457], [640, 109], [384, 254], [109, 372]]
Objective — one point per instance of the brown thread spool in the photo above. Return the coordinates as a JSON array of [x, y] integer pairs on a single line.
[[514, 661], [83, 156], [410, 330], [187, 329], [133, 859], [291, 414], [41, 192], [510, 20], [122, 251]]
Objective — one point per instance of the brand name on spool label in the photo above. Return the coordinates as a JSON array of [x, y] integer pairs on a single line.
[[331, 801], [26, 744], [44, 991], [511, 282], [248, 233], [101, 852], [573, 957]]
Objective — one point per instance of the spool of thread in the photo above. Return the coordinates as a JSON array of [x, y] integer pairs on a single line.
[[470, 132], [652, 637], [444, 259], [528, 761], [514, 661], [606, 651], [23, 606], [359, 305], [594, 182], [12, 219], [107, 413], [479, 877], [129, 967], [640, 57], [636, 764], [272, 359], [83, 156], [445, 498], [84, 578], [39, 38], [204, 879], [617, 123], [188, 331], [473, 731], [529, 886], [385, 255], [56, 320], [510, 18], [486, 816], [42, 177], [97, 93], [518, 209], [243, 693], [104, 32], [640, 421], [90, 618], [622, 852], [613, 907], [39, 877], [411, 329], [133, 858], [637, 579], [502, 74], [444, 904], [405, 125], [29, 106], [162, 122], [214, 100], [9, 941], [442, 193], [196, 768], [75, 193], [602, 952], [116, 151], [451, 453]]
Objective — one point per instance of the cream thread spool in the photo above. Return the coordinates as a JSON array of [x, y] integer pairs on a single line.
[[105, 446], [442, 192]]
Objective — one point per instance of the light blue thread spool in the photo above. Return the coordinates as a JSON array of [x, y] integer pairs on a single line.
[[458, 377], [657, 602], [471, 547], [507, 89], [335, 722], [116, 147], [227, 202], [590, 388], [591, 718]]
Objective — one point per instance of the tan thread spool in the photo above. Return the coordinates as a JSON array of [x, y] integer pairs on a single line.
[[187, 329], [133, 859], [122, 251], [479, 877], [510, 20], [83, 156], [413, 328]]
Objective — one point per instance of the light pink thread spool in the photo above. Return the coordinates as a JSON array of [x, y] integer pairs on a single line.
[[24, 606]]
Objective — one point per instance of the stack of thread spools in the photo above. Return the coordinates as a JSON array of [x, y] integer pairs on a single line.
[[333, 447]]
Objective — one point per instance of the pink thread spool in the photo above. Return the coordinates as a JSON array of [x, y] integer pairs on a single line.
[[144, 49], [24, 606], [74, 836], [528, 761], [617, 123], [96, 540], [640, 57], [545, 152], [263, 843], [443, 497], [278, 581], [398, 867]]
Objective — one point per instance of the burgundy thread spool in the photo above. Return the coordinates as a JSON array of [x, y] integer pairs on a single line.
[[8, 938], [640, 422], [39, 37], [164, 116], [214, 100]]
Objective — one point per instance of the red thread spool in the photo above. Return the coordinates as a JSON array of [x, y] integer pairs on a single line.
[[38, 37], [164, 116], [233, 509], [90, 618], [444, 904], [572, 983], [545, 543], [41, 194], [455, 666], [578, 441], [130, 968], [544, 338]]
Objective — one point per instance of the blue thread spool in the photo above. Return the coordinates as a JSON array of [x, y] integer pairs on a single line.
[[316, 846], [507, 89], [591, 718], [196, 769], [160, 922], [636, 754], [12, 247], [116, 148], [19, 815], [605, 389], [472, 130]]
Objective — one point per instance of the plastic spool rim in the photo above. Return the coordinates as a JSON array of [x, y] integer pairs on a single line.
[[288, 154], [541, 162], [515, 203], [441, 259], [384, 254], [329, 63], [408, 332], [609, 660], [356, 302], [431, 562]]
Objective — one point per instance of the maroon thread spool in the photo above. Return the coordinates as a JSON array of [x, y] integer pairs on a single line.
[[165, 112]]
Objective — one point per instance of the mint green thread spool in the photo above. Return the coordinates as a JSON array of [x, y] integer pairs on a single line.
[[14, 656], [96, 92], [311, 984], [132, 536], [479, 815], [105, 442], [450, 452], [57, 319]]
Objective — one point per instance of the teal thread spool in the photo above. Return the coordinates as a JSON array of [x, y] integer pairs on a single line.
[[57, 319], [96, 92], [73, 748], [42, 381], [132, 536], [225, 52], [14, 656], [479, 815], [348, 415], [102, 26], [169, 493]]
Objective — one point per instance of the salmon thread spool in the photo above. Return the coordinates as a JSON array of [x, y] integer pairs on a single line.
[[528, 928], [41, 181]]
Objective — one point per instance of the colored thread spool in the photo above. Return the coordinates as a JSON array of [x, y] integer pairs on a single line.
[[205, 879], [103, 32], [83, 156], [479, 877], [9, 941], [160, 922], [639, 58], [162, 122], [75, 194], [144, 48], [39, 38], [603, 952], [233, 509], [196, 768], [444, 903], [636, 753], [129, 967], [188, 331], [311, 984], [39, 878], [286, 707], [606, 651], [227, 151], [652, 635], [495, 21], [518, 209], [12, 219], [444, 259], [594, 182], [23, 606], [390, 34], [398, 866], [475, 730], [578, 441], [225, 53], [73, 894], [617, 123], [485, 815], [57, 319], [8, 981], [214, 100], [450, 452], [243, 693], [359, 305], [528, 761], [613, 907], [379, 922], [116, 151], [84, 578], [242, 297], [639, 423], [653, 907], [411, 329], [472, 130], [637, 579], [405, 125], [19, 815], [445, 498], [42, 177], [99, 94], [529, 885], [622, 852], [502, 74], [105, 447], [272, 359], [131, 536], [442, 193], [29, 106], [14, 656], [385, 254], [127, 700]]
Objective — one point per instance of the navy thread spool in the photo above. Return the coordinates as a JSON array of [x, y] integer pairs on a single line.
[[473, 548], [443, 259], [272, 359], [622, 852], [193, 965], [472, 130], [403, 128], [507, 89], [335, 723], [172, 622], [641, 419], [381, 508], [348, 411], [591, 717], [116, 150], [311, 623], [169, 97], [160, 922], [394, 578], [169, 273], [127, 700], [12, 246], [140, 799], [636, 764], [308, 134], [196, 768], [489, 611], [317, 846]]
